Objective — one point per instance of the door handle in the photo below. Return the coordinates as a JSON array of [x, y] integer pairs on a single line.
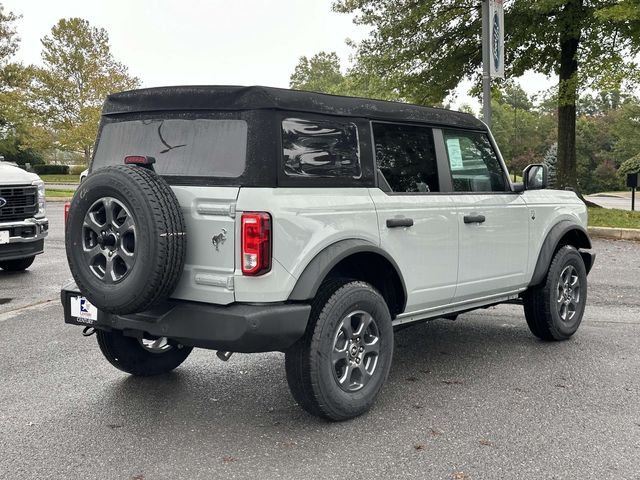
[[399, 222], [474, 219]]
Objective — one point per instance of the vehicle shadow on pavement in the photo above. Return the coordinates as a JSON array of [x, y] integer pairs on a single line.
[[432, 363]]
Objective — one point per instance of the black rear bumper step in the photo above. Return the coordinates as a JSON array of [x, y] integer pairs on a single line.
[[238, 327]]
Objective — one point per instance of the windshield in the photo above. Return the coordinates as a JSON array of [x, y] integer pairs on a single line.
[[181, 147]]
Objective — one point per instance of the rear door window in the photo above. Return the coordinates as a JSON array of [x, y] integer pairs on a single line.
[[474, 164], [182, 147], [405, 155], [320, 148]]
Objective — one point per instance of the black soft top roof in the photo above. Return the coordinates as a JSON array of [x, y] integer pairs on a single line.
[[185, 98]]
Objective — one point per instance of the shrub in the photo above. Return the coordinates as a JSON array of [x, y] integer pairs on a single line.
[[51, 169], [631, 165], [22, 157], [605, 178], [77, 169]]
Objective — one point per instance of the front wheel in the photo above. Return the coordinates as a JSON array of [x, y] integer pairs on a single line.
[[141, 357], [339, 366], [554, 309], [17, 265]]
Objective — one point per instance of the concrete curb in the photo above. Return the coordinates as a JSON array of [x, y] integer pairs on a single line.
[[615, 233]]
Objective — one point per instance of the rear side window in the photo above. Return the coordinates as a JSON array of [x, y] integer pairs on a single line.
[[320, 148], [474, 164], [182, 147], [405, 154]]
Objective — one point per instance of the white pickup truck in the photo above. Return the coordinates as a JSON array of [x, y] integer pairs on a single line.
[[23, 221]]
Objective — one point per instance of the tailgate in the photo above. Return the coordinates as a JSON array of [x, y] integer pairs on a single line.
[[209, 214]]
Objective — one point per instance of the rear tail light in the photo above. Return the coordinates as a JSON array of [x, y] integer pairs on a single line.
[[67, 206], [256, 243]]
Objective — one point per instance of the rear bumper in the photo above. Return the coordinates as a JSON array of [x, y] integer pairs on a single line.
[[237, 327]]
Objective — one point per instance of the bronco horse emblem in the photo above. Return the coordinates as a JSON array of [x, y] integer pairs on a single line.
[[219, 239]]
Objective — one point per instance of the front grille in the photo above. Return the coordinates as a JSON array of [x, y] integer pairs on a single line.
[[22, 203]]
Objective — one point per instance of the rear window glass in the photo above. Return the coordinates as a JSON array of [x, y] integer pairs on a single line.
[[319, 148], [181, 147]]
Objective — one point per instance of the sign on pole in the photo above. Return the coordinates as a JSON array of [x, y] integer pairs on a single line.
[[496, 32]]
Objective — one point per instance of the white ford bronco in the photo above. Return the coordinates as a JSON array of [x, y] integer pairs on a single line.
[[252, 219], [23, 222]]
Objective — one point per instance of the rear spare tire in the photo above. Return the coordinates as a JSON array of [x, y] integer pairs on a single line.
[[125, 239]]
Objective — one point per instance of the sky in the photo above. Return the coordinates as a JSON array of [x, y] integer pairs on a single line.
[[215, 42]]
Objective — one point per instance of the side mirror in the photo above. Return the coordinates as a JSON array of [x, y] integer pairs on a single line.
[[535, 177]]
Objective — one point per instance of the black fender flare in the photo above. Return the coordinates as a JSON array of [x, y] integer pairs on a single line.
[[316, 271], [549, 246]]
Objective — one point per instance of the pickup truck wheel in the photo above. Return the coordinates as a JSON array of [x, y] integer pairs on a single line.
[[140, 357], [17, 265], [554, 308], [339, 366], [125, 239]]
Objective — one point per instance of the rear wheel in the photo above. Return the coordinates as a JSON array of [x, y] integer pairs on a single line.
[[338, 368], [141, 357], [17, 265], [554, 309]]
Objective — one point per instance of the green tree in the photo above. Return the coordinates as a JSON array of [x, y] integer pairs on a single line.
[[321, 73], [21, 133], [9, 40], [551, 160], [423, 49], [521, 130], [79, 72], [626, 130]]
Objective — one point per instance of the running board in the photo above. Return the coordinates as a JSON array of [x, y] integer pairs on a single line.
[[455, 308]]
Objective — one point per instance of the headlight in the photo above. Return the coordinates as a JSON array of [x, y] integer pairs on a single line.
[[41, 197]]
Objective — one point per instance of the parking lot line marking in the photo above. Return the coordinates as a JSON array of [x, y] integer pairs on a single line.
[[18, 311]]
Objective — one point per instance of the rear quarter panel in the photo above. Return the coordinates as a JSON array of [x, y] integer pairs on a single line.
[[305, 221]]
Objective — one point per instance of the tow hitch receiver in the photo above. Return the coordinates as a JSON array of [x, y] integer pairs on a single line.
[[88, 331]]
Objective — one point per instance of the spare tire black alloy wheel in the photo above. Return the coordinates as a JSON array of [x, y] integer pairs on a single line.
[[126, 239], [109, 240]]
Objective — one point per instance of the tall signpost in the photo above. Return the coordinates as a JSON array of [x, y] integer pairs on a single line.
[[492, 51]]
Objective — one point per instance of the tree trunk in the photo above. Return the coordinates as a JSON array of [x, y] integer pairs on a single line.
[[87, 155], [571, 29]]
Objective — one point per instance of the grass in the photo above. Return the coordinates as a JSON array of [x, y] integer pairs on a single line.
[[60, 178], [52, 193], [611, 217]]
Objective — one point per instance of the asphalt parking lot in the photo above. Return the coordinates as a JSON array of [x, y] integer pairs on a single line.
[[478, 398]]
